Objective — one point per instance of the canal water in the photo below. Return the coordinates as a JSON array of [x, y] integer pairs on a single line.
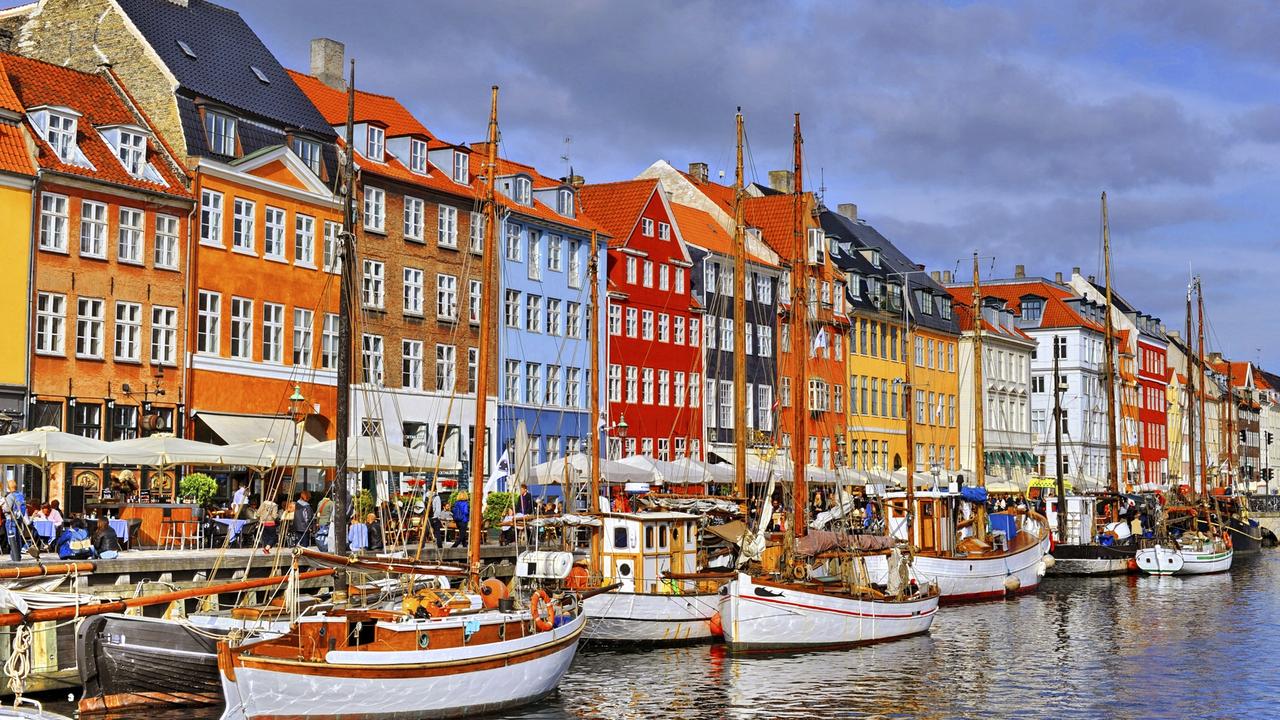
[[1127, 647]]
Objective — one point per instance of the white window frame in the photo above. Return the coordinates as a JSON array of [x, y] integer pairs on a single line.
[[414, 218], [329, 342], [304, 240], [303, 334], [128, 331], [414, 291], [211, 207], [272, 332], [220, 132], [93, 229], [411, 364], [51, 323], [375, 143], [447, 226], [372, 354], [417, 156], [129, 235], [375, 209], [90, 326], [209, 322], [164, 335], [241, 328], [461, 168], [373, 284], [55, 216], [273, 227], [60, 133], [242, 218], [446, 297], [475, 291], [166, 244], [131, 149]]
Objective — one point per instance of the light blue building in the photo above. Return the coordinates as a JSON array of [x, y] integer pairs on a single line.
[[544, 369]]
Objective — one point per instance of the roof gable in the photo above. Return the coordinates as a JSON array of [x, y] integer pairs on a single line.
[[279, 165]]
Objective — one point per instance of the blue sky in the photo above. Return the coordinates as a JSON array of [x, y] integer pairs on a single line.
[[954, 126]]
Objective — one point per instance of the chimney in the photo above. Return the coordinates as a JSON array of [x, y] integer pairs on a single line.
[[575, 181], [1075, 271], [326, 62], [1019, 271], [782, 181], [1057, 277], [849, 210], [698, 171], [936, 275], [946, 277]]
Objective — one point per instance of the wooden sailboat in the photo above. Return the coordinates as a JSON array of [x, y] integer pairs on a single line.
[[787, 607], [347, 662], [965, 559]]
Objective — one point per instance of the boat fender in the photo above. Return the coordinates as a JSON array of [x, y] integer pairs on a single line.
[[800, 572], [1226, 538], [491, 591], [1012, 583], [1131, 564], [716, 625], [1049, 561], [1041, 568], [540, 608]]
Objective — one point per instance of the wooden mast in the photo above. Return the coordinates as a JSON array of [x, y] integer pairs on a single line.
[[739, 325], [593, 387], [1108, 349], [908, 402], [346, 306], [1204, 468], [490, 285], [979, 401], [1189, 412], [1057, 448], [800, 327]]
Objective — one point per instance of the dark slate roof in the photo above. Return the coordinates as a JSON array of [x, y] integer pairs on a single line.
[[226, 49], [848, 236]]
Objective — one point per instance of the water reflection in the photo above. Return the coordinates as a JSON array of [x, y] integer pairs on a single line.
[[1128, 647]]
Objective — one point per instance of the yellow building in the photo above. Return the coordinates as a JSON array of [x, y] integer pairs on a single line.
[[17, 173], [877, 365], [936, 382]]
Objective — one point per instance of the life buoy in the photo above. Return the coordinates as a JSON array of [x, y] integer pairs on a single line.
[[543, 614], [1226, 538]]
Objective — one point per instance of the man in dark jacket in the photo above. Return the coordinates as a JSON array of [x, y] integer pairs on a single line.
[[527, 506], [303, 516]]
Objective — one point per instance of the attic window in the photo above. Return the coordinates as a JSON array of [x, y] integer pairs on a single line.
[[132, 152], [461, 168], [1032, 309], [261, 75], [186, 50], [61, 134], [564, 202], [523, 189], [417, 156]]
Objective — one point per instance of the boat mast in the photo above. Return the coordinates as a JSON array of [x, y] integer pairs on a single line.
[[799, 323], [346, 304], [593, 387], [1204, 477], [908, 407], [1108, 348], [979, 394], [1057, 447], [739, 324], [490, 283]]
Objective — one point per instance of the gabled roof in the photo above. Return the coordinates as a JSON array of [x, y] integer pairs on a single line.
[[37, 84], [538, 210], [226, 51], [1057, 312], [15, 157], [775, 216], [701, 230], [8, 98], [964, 317], [617, 206], [717, 193]]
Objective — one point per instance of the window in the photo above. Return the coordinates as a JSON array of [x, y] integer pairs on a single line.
[[512, 377], [748, 337], [532, 382], [920, 407], [373, 287], [817, 251], [678, 387], [647, 280], [273, 233], [522, 188], [304, 238], [309, 152], [695, 384], [129, 248], [272, 332], [646, 227], [208, 321], [726, 404], [132, 151], [332, 248], [89, 322], [633, 322], [564, 202], [411, 364], [664, 231], [446, 367], [413, 291], [53, 222], [128, 328], [474, 300], [417, 156], [242, 225], [413, 218], [473, 368], [555, 246], [664, 388], [553, 385], [1032, 309], [93, 229], [694, 334], [1060, 347], [647, 386], [371, 359], [303, 321], [375, 209], [511, 309], [632, 264], [664, 325], [533, 313], [726, 333], [329, 342], [210, 218], [241, 328], [221, 133], [461, 168], [615, 383], [446, 226], [633, 384], [573, 387], [375, 143], [1037, 383], [513, 242], [615, 319], [51, 320], [711, 334], [726, 282], [678, 334], [664, 277], [709, 412], [446, 297], [646, 327], [764, 341], [553, 316], [166, 252], [124, 422], [535, 254], [477, 233], [575, 265], [61, 134], [88, 420]]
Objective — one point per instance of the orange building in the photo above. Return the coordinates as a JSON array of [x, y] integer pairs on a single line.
[[110, 248]]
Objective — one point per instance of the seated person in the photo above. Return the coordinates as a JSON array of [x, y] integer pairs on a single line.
[[375, 532], [55, 513], [41, 514], [74, 542], [106, 544]]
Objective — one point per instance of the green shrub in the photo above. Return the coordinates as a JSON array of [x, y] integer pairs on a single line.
[[199, 487], [496, 507], [364, 505]]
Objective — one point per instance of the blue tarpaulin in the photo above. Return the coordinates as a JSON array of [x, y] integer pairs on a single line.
[[974, 494]]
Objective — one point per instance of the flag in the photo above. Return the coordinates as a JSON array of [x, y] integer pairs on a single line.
[[819, 341], [494, 483]]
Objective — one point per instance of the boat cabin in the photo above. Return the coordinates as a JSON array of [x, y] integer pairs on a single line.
[[1082, 529], [935, 519], [637, 548]]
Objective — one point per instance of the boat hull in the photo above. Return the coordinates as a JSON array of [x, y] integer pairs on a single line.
[[1183, 561], [650, 618], [1077, 560], [462, 682], [965, 579], [760, 616], [1246, 536]]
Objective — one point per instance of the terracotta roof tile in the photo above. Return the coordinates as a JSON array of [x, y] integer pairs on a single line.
[[1057, 313], [332, 104], [617, 206], [964, 316], [8, 98], [38, 83], [721, 195], [700, 229], [15, 156]]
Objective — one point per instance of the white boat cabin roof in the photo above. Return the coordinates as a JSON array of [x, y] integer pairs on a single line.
[[662, 516]]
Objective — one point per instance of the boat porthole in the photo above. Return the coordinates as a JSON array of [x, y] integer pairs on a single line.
[[624, 569], [322, 631], [424, 640]]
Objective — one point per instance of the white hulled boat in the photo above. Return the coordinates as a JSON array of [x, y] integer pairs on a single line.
[[1201, 555]]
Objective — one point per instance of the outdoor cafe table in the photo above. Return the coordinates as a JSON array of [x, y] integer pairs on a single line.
[[233, 527]]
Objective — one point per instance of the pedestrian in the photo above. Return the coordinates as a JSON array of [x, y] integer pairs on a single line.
[[374, 528], [526, 505], [324, 522], [106, 544], [15, 519], [268, 514], [461, 511], [240, 498], [302, 517], [434, 517]]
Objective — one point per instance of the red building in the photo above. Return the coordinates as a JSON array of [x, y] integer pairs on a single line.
[[654, 369], [1153, 403]]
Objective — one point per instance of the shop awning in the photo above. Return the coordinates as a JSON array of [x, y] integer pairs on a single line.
[[235, 429]]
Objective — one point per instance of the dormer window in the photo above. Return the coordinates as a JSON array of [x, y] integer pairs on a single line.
[[944, 308], [872, 256], [1032, 309], [522, 190], [418, 156], [461, 168], [925, 301], [221, 132], [895, 297], [132, 151], [817, 253], [376, 143], [564, 202], [60, 131], [309, 152]]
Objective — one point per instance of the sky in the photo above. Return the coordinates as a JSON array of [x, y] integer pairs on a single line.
[[954, 126]]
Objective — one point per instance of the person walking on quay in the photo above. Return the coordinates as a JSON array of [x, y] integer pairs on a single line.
[[268, 514], [324, 522], [15, 518], [302, 517], [434, 513], [461, 517]]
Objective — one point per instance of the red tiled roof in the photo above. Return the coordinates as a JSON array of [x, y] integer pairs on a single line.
[[8, 98], [964, 316], [699, 228], [38, 83], [1057, 313], [332, 104], [538, 210], [15, 156], [617, 206], [721, 195]]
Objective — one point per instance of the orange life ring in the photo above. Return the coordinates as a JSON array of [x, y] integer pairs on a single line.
[[578, 579], [1226, 538], [543, 614]]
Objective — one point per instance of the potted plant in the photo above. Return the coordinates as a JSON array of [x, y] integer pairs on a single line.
[[199, 488], [496, 507]]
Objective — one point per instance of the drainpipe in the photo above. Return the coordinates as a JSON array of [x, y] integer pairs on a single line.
[[184, 402]]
